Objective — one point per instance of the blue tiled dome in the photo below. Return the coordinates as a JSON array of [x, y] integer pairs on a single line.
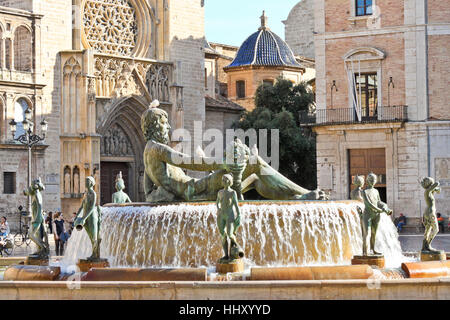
[[264, 48]]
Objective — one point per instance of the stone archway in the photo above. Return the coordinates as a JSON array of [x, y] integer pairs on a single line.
[[121, 148]]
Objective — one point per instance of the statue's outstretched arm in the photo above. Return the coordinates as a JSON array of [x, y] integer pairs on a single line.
[[181, 160]]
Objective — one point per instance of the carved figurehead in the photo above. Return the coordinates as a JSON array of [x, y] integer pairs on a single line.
[[89, 218], [38, 233], [120, 196], [164, 168]]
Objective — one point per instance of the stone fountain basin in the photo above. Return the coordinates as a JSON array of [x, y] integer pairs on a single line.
[[412, 270], [271, 233], [339, 282]]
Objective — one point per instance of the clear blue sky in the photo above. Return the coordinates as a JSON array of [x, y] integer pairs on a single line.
[[232, 21]]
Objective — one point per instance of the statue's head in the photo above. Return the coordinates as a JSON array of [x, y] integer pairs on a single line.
[[38, 185], [227, 180], [426, 182], [372, 179], [358, 181], [155, 124], [120, 184], [90, 182]]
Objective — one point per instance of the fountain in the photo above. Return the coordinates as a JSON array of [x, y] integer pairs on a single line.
[[272, 234], [180, 234]]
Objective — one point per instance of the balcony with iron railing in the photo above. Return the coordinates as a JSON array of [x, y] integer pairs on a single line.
[[334, 116]]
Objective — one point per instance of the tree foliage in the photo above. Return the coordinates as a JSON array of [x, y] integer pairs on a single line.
[[277, 107]]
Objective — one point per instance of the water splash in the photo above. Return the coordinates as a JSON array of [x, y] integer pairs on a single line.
[[186, 235]]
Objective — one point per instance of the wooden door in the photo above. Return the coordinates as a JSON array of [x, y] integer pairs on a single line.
[[109, 171], [365, 161]]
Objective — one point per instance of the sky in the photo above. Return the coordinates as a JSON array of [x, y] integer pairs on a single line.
[[232, 21]]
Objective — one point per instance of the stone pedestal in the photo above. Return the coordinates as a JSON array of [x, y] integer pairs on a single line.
[[36, 261], [86, 265], [374, 261], [233, 266], [433, 256]]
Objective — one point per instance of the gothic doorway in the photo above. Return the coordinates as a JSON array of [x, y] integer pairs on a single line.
[[121, 148], [108, 173]]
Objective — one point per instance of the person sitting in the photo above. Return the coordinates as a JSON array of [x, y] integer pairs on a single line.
[[401, 221], [440, 220], [4, 227]]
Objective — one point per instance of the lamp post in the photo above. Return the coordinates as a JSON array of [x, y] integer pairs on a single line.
[[29, 139]]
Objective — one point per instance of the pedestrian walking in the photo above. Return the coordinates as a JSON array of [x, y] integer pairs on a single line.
[[59, 233]]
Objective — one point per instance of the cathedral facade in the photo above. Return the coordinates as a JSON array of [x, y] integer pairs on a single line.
[[91, 68]]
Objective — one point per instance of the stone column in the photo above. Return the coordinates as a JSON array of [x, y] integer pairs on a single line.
[[3, 53], [9, 112]]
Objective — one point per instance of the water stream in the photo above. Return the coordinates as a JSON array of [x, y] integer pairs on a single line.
[[272, 234]]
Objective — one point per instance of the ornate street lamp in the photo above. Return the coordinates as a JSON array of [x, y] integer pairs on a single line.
[[29, 139]]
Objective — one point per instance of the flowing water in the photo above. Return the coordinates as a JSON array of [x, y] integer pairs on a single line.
[[272, 234]]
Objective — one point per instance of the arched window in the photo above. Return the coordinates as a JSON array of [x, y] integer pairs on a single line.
[[240, 89], [22, 49], [20, 107]]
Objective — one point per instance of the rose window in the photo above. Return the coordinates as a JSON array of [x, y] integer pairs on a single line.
[[110, 26]]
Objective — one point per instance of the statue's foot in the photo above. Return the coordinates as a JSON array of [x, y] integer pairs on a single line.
[[313, 195], [160, 195], [224, 259], [93, 258], [433, 250], [375, 253]]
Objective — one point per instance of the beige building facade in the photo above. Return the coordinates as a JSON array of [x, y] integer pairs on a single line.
[[382, 105], [91, 68], [299, 29]]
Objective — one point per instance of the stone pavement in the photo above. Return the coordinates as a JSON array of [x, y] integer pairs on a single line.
[[413, 242], [25, 250]]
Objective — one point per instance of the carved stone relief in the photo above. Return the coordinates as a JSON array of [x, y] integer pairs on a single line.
[[115, 143], [116, 77], [157, 82], [442, 174], [442, 169], [67, 180]]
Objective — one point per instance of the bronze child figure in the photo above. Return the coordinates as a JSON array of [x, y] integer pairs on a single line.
[[356, 193], [89, 217], [373, 208], [228, 220], [120, 196], [37, 233], [429, 217]]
